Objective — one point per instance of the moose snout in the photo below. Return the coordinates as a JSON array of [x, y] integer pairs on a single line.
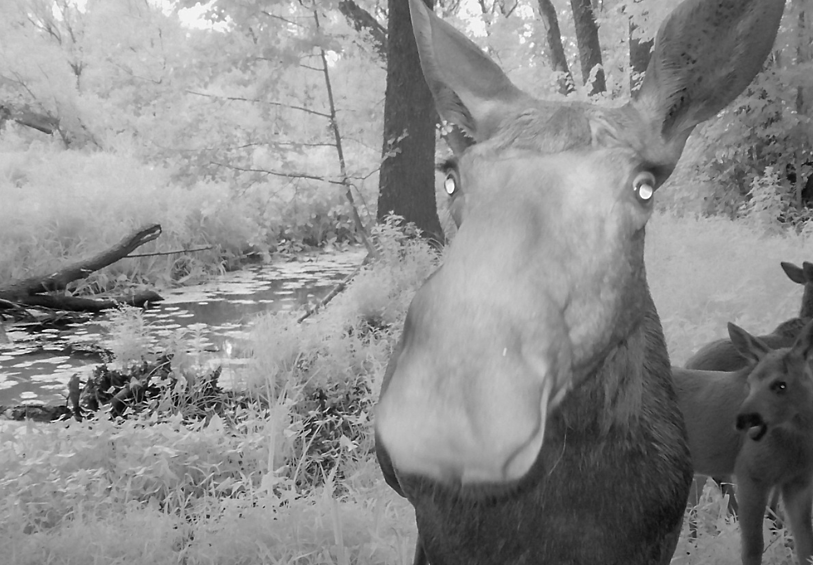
[[753, 422]]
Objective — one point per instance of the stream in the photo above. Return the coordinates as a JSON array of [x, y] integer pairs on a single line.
[[36, 364]]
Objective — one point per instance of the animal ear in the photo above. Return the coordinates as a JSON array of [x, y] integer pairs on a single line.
[[804, 342], [794, 273], [808, 269], [706, 53], [751, 348], [469, 89]]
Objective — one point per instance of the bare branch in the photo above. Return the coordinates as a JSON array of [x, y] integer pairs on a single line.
[[255, 100], [278, 173], [163, 253]]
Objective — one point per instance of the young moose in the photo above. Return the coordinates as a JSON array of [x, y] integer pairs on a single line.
[[528, 413], [721, 355], [771, 398]]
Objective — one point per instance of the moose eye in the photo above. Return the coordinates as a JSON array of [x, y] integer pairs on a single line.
[[779, 386], [452, 183], [644, 186]]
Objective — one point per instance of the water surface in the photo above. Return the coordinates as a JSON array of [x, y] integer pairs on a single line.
[[215, 317]]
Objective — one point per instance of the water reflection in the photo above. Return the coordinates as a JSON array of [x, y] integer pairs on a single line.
[[36, 366]]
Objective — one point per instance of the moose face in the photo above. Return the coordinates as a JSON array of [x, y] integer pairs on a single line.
[[546, 274], [780, 388]]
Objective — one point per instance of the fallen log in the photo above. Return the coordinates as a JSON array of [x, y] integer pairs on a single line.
[[79, 304], [81, 269]]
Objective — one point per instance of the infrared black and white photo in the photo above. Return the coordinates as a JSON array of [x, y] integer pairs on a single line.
[[406, 282]]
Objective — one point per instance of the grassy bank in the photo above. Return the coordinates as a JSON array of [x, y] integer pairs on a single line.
[[61, 206], [290, 478]]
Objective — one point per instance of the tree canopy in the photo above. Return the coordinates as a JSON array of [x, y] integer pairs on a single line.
[[235, 91]]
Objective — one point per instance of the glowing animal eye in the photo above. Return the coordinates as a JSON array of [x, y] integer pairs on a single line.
[[779, 386], [451, 183], [644, 186]]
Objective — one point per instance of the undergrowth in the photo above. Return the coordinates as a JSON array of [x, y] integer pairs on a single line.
[[289, 476], [62, 206]]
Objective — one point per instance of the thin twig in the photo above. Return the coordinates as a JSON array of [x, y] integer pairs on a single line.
[[159, 253], [279, 173], [310, 311], [270, 103]]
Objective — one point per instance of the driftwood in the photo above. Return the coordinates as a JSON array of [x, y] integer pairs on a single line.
[[29, 292], [79, 304], [60, 279], [25, 116]]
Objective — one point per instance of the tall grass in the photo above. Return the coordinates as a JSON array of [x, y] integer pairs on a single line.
[[258, 488], [705, 272], [59, 206]]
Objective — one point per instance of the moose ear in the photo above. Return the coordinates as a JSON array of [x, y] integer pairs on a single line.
[[469, 89], [794, 273], [808, 270], [751, 348], [706, 53], [804, 342]]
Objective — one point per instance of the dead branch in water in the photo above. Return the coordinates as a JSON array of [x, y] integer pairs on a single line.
[[30, 291], [310, 311], [80, 304], [81, 269]]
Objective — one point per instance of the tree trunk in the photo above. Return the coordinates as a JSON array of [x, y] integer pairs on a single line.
[[407, 177], [802, 46], [589, 47], [556, 53], [361, 19], [640, 51], [802, 57]]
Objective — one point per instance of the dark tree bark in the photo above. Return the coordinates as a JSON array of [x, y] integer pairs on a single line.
[[556, 53], [364, 20], [407, 177], [802, 48], [640, 51], [587, 40]]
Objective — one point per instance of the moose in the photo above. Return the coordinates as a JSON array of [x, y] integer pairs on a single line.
[[721, 355], [770, 401], [528, 412]]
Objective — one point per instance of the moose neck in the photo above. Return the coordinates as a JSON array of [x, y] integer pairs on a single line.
[[612, 397]]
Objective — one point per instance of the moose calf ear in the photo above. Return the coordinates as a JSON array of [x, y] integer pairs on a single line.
[[808, 270], [751, 348], [794, 273], [804, 343], [469, 89], [706, 53]]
